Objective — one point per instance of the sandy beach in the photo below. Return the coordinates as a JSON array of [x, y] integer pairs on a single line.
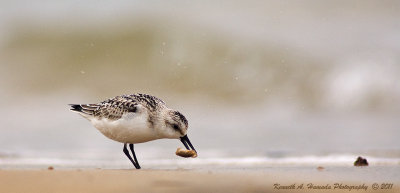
[[274, 179]]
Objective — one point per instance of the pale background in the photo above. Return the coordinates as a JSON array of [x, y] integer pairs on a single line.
[[254, 78]]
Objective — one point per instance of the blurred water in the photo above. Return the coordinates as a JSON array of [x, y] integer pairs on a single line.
[[272, 79]]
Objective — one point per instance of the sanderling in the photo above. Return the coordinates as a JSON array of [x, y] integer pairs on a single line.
[[135, 118]]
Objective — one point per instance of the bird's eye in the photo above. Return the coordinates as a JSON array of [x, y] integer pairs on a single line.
[[132, 109], [175, 126]]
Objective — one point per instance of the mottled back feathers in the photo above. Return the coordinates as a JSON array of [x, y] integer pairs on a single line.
[[115, 107]]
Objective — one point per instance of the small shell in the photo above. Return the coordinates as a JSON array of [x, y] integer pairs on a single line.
[[185, 153]]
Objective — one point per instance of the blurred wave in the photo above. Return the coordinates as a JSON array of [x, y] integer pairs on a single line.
[[199, 163]]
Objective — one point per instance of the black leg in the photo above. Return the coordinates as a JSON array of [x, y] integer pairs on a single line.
[[134, 156], [130, 158]]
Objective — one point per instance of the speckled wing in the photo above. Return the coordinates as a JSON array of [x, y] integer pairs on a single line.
[[112, 108], [115, 107]]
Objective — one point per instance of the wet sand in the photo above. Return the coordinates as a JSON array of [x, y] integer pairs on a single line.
[[223, 180]]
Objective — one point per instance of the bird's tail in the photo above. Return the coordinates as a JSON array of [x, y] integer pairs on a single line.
[[84, 109], [75, 107]]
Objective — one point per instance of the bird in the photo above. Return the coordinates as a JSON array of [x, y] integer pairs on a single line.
[[135, 118]]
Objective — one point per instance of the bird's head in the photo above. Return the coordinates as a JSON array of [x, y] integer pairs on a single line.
[[176, 126]]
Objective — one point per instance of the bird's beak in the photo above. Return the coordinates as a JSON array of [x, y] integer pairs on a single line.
[[186, 142]]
